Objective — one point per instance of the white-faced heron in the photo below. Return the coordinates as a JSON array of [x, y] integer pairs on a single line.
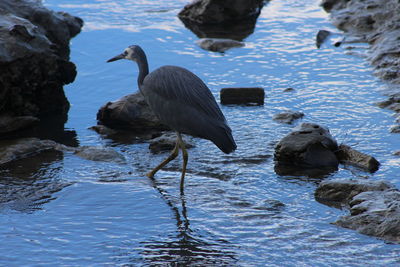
[[182, 101]]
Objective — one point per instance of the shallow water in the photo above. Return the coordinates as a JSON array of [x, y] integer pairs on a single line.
[[236, 211]]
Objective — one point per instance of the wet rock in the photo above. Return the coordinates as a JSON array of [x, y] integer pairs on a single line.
[[376, 214], [321, 37], [347, 155], [395, 129], [288, 116], [377, 22], [217, 44], [166, 142], [99, 154], [335, 191], [34, 58], [374, 206], [397, 153], [289, 89], [10, 124], [242, 96], [131, 113], [233, 19], [12, 150], [308, 146]]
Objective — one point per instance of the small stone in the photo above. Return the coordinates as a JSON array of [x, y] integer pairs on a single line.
[[218, 44], [288, 116], [289, 89], [242, 95], [321, 37], [99, 154], [347, 155], [395, 129], [166, 142]]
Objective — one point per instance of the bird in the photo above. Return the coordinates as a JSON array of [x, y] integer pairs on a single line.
[[182, 101]]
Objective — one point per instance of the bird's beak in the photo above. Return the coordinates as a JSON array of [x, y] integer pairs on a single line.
[[120, 56]]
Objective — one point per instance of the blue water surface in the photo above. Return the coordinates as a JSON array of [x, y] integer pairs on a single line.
[[236, 211]]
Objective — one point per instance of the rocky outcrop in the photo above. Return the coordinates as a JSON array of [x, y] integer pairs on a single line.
[[131, 113], [374, 206], [242, 95], [232, 19], [34, 59], [308, 146]]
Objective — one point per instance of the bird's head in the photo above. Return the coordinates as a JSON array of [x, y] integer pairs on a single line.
[[133, 52]]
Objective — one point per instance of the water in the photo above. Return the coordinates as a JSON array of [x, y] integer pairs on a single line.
[[63, 210]]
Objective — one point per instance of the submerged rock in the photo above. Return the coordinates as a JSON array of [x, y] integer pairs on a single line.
[[218, 44], [308, 146], [131, 113], [166, 142], [34, 55], [99, 154], [288, 116], [321, 37], [374, 206], [239, 95]]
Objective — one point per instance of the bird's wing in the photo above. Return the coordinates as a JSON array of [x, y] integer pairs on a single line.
[[182, 87]]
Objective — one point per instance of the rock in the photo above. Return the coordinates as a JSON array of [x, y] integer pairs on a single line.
[[374, 206], [395, 129], [340, 191], [10, 124], [217, 44], [397, 153], [251, 95], [321, 37], [166, 142], [288, 116], [34, 55], [375, 213], [233, 19], [377, 22], [100, 154], [347, 155], [307, 146], [289, 89], [12, 150], [131, 113]]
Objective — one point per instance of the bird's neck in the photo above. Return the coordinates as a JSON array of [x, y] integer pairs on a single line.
[[143, 70]]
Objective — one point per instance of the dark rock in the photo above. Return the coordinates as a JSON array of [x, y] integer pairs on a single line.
[[395, 129], [131, 113], [347, 155], [34, 58], [242, 96], [233, 19], [375, 213], [289, 89], [321, 37], [307, 146], [218, 45], [288, 116], [12, 150], [166, 142], [99, 154], [397, 153], [10, 124], [342, 191], [374, 206]]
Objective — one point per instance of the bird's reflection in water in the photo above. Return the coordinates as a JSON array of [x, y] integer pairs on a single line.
[[186, 249]]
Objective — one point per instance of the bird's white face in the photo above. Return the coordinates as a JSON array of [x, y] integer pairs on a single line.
[[130, 54]]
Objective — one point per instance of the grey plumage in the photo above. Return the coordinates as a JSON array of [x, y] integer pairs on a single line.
[[182, 101]]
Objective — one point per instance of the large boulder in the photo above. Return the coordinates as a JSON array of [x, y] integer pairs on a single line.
[[131, 113], [34, 58], [374, 206], [232, 19], [308, 146]]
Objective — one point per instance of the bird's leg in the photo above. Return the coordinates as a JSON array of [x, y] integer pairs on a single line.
[[172, 156], [185, 157]]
